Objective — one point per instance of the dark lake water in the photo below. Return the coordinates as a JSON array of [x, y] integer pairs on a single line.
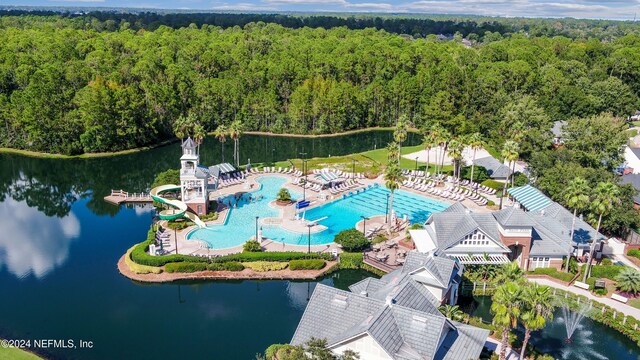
[[591, 340], [59, 244]]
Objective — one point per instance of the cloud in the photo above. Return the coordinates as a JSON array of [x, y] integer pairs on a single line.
[[37, 243]]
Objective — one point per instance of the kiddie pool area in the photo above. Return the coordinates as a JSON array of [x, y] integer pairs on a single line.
[[336, 215]]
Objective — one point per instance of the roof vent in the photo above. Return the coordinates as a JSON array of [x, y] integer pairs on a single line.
[[420, 319], [542, 212], [364, 293], [389, 300]]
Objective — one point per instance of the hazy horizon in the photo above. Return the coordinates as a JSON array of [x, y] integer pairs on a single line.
[[584, 9]]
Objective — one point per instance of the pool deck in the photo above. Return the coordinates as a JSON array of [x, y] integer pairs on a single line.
[[286, 220]]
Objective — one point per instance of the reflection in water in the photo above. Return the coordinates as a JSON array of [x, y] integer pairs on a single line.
[[36, 243]]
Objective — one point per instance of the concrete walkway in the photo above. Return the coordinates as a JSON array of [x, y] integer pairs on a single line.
[[618, 306]]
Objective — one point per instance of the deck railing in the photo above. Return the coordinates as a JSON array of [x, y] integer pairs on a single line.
[[127, 195]]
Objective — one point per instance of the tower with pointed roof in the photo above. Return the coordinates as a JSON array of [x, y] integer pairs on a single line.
[[193, 179]]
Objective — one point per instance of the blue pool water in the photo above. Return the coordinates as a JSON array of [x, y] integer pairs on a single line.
[[339, 215]]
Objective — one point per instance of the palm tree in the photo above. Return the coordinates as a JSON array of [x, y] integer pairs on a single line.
[[445, 138], [221, 135], [510, 272], [604, 198], [476, 143], [393, 178], [576, 196], [392, 152], [235, 130], [400, 133], [198, 135], [537, 309], [455, 152], [451, 312], [506, 311], [628, 280], [429, 142], [509, 153]]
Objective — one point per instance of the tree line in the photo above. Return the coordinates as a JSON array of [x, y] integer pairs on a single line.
[[70, 90]]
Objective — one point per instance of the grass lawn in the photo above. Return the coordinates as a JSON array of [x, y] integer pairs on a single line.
[[634, 302], [16, 354], [370, 162]]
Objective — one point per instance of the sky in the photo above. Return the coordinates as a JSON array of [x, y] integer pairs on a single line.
[[614, 9]]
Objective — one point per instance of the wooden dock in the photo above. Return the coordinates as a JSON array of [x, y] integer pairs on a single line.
[[118, 197]]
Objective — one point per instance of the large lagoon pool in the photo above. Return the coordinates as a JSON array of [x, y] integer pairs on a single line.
[[337, 215]]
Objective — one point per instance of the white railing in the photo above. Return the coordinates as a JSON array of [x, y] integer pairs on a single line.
[[126, 195]]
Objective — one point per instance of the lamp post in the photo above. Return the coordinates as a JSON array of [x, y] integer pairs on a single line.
[[257, 217], [309, 226], [175, 236], [416, 163], [272, 151], [386, 211], [364, 224]]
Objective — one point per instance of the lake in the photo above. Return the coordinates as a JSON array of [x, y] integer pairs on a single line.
[[60, 243]]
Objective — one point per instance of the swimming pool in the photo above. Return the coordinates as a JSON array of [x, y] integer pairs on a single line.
[[338, 215]]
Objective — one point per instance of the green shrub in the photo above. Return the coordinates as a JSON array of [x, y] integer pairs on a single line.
[[600, 291], [252, 246], [378, 239], [351, 240], [552, 272], [272, 350], [185, 267], [270, 256], [520, 179], [209, 217], [607, 262], [351, 260], [284, 195], [179, 225], [262, 266], [480, 173], [608, 272], [227, 266], [140, 256], [496, 185], [634, 253], [573, 265], [311, 264]]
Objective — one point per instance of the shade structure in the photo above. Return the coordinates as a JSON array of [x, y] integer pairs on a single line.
[[530, 198]]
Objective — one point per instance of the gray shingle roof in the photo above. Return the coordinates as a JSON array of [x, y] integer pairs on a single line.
[[495, 168], [634, 180], [403, 332], [189, 143], [557, 128], [512, 216]]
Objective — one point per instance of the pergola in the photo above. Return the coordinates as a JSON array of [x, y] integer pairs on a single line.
[[481, 259]]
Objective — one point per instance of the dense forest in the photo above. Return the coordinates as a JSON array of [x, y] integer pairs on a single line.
[[71, 90]]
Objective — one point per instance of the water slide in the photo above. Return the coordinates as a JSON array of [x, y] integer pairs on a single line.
[[181, 207]]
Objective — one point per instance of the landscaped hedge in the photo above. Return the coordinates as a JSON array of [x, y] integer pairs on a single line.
[[262, 266], [606, 271], [351, 260], [310, 264], [554, 273], [140, 256], [270, 256], [185, 267], [634, 253], [227, 266]]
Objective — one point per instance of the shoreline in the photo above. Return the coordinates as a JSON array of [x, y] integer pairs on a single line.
[[44, 155], [246, 274]]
